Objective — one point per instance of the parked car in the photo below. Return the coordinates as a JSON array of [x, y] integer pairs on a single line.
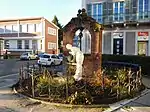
[[49, 59], [28, 56], [61, 55], [40, 54]]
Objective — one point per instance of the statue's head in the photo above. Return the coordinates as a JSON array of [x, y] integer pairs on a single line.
[[68, 46]]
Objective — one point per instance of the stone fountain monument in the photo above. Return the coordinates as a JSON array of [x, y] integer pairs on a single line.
[[84, 34]]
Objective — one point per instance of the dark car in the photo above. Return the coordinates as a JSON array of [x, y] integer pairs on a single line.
[[61, 55], [40, 54]]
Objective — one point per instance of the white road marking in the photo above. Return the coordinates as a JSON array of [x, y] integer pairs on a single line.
[[6, 86], [8, 75]]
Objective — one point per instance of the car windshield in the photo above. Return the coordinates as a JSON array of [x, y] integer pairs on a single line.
[[60, 55], [40, 54], [25, 54], [45, 56]]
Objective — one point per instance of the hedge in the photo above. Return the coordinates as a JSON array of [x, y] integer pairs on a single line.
[[143, 61]]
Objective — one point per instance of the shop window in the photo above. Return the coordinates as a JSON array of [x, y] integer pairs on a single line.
[[142, 48], [19, 44], [26, 44], [6, 44], [34, 44]]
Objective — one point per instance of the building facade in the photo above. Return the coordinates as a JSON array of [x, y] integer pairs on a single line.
[[29, 35], [126, 25]]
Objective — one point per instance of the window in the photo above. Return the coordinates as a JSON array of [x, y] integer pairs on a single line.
[[95, 11], [134, 3], [36, 27], [142, 9], [26, 44], [51, 31], [19, 44], [116, 11], [85, 41], [31, 28], [6, 44], [53, 56], [14, 28], [121, 4], [20, 28], [2, 29], [45, 56], [34, 44], [8, 28], [146, 8], [121, 12], [51, 45], [76, 39], [100, 13], [110, 11], [89, 9], [24, 28], [142, 48]]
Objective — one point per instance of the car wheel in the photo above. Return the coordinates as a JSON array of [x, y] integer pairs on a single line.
[[29, 58], [52, 64], [61, 63]]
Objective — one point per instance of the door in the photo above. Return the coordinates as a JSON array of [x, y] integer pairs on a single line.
[[118, 46], [142, 48], [57, 60], [44, 60], [54, 59]]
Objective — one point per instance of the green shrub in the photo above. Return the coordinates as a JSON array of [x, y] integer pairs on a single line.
[[45, 82], [42, 84]]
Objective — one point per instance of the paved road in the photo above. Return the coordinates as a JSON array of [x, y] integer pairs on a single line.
[[9, 102], [12, 66]]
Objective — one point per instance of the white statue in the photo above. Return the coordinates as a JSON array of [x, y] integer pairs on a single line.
[[75, 51]]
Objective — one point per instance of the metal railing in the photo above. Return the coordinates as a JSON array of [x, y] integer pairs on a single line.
[[122, 17], [30, 77]]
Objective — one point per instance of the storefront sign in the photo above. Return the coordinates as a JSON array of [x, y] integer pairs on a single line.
[[143, 36]]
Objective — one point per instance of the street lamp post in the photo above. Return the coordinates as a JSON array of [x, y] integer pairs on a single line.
[[80, 26]]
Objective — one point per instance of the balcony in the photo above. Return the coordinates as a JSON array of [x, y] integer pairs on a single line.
[[142, 17]]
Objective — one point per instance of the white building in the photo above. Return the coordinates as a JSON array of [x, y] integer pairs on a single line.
[[29, 34], [126, 25]]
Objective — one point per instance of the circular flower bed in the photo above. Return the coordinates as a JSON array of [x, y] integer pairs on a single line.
[[112, 85]]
